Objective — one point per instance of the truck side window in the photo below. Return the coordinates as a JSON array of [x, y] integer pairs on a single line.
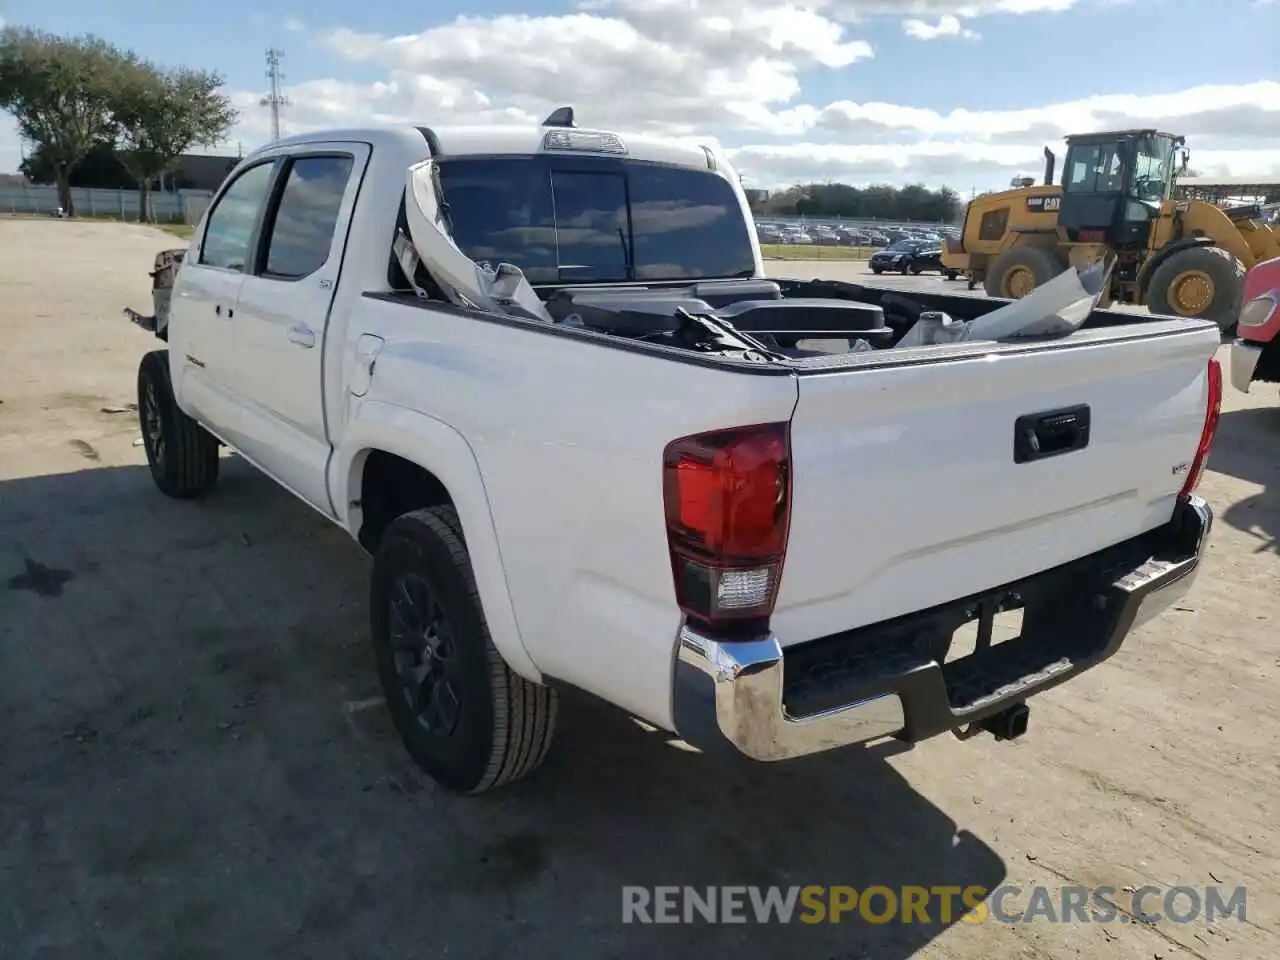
[[231, 222], [304, 223]]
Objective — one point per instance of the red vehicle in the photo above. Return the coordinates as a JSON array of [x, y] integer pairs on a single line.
[[1255, 356]]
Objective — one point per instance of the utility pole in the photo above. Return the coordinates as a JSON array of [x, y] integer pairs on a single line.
[[275, 99]]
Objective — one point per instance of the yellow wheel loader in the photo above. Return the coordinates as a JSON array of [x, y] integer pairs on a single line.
[[1181, 257]]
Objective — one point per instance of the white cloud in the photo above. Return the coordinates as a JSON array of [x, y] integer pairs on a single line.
[[1249, 112], [857, 9], [947, 26], [736, 72], [720, 73], [294, 25], [674, 64]]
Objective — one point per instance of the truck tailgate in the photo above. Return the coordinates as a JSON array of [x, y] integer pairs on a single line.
[[906, 488]]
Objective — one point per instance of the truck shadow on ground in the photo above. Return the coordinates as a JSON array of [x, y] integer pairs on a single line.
[[1248, 447], [197, 764]]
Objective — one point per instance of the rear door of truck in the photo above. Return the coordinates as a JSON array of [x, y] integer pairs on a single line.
[[916, 481], [282, 314]]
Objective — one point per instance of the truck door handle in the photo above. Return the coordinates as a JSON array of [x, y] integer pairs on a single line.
[[302, 335], [1050, 433], [218, 310]]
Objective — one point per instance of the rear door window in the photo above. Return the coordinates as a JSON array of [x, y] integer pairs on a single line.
[[302, 233]]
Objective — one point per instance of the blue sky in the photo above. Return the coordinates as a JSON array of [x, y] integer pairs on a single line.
[[959, 91]]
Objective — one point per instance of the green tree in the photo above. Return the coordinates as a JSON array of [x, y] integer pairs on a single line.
[[61, 91], [100, 168], [881, 202], [161, 114]]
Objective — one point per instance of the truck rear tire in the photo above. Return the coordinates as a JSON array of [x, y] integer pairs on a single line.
[[468, 720], [1018, 271], [182, 455], [1204, 282]]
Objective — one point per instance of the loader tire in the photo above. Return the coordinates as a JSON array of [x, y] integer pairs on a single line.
[[182, 455], [468, 720], [1017, 272], [1202, 282]]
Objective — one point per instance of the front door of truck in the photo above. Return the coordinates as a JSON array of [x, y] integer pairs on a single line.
[[202, 340], [283, 312]]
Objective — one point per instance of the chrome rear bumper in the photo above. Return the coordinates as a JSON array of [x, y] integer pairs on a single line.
[[756, 698]]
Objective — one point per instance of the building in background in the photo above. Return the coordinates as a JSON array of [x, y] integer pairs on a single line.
[[194, 171]]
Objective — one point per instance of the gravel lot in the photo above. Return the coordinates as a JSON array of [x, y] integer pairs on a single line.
[[196, 763]]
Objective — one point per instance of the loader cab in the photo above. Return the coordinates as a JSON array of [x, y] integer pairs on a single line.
[[1113, 185]]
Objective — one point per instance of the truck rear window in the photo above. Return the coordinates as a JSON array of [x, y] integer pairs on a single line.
[[594, 219]]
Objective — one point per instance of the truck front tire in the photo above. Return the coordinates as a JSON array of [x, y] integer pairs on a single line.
[[1204, 282], [465, 717], [182, 455]]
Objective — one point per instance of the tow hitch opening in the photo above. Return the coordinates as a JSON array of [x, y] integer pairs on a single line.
[[1010, 723]]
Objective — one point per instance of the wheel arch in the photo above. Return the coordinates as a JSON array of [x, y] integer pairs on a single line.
[[449, 473], [1206, 221]]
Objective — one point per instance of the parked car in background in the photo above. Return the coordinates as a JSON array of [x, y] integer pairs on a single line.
[[897, 256], [1255, 355], [928, 259]]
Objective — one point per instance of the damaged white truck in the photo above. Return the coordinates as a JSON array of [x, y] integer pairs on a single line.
[[540, 375]]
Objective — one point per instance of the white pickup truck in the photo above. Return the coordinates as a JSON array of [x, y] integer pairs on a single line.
[[539, 374]]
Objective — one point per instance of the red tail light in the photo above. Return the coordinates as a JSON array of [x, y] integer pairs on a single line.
[[728, 505], [1209, 432]]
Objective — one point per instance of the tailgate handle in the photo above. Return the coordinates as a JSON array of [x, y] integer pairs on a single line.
[[1048, 434]]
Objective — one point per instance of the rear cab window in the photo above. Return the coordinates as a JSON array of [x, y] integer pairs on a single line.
[[574, 220]]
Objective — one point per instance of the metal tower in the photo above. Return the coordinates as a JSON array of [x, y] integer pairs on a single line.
[[275, 99]]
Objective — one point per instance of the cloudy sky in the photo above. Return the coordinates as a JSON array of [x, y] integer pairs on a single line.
[[961, 92]]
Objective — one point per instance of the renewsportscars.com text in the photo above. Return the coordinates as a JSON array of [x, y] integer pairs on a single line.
[[937, 904]]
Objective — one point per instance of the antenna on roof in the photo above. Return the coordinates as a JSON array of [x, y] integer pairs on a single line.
[[561, 117]]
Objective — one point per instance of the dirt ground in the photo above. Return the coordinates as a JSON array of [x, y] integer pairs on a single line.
[[195, 762]]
